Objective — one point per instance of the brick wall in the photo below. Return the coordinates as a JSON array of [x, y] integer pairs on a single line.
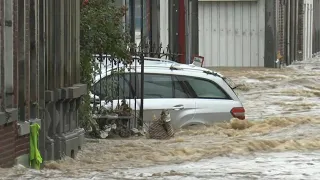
[[11, 145], [281, 26], [300, 30], [22, 145], [7, 144]]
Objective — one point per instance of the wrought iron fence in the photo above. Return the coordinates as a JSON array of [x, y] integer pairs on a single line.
[[160, 51], [117, 92]]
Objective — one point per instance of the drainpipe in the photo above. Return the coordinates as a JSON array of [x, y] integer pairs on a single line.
[[132, 20], [188, 35], [173, 46], [288, 54], [182, 32], [155, 25], [194, 27]]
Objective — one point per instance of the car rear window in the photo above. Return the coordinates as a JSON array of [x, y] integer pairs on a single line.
[[204, 88]]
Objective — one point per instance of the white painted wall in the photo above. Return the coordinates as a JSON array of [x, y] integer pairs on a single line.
[[307, 29], [232, 33]]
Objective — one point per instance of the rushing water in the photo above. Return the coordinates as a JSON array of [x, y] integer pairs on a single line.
[[280, 139]]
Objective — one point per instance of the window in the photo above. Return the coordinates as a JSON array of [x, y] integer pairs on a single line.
[[179, 92], [204, 88], [114, 87], [162, 86]]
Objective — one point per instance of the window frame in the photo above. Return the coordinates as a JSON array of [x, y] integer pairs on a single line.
[[194, 94], [135, 90]]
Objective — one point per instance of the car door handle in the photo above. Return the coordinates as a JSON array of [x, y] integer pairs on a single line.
[[178, 107]]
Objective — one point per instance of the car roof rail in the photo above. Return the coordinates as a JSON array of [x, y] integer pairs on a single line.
[[173, 67]]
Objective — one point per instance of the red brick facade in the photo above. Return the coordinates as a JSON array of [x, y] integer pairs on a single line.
[[11, 145], [23, 95], [281, 27], [300, 29]]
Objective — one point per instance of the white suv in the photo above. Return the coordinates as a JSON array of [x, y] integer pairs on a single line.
[[194, 95]]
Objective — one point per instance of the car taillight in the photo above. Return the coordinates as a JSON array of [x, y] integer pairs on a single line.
[[238, 112]]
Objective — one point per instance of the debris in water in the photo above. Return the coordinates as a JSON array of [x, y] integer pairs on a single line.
[[161, 128]]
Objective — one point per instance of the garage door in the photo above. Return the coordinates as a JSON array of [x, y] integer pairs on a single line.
[[231, 33]]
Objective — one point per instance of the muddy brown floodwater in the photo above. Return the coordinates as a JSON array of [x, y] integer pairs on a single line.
[[279, 140]]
